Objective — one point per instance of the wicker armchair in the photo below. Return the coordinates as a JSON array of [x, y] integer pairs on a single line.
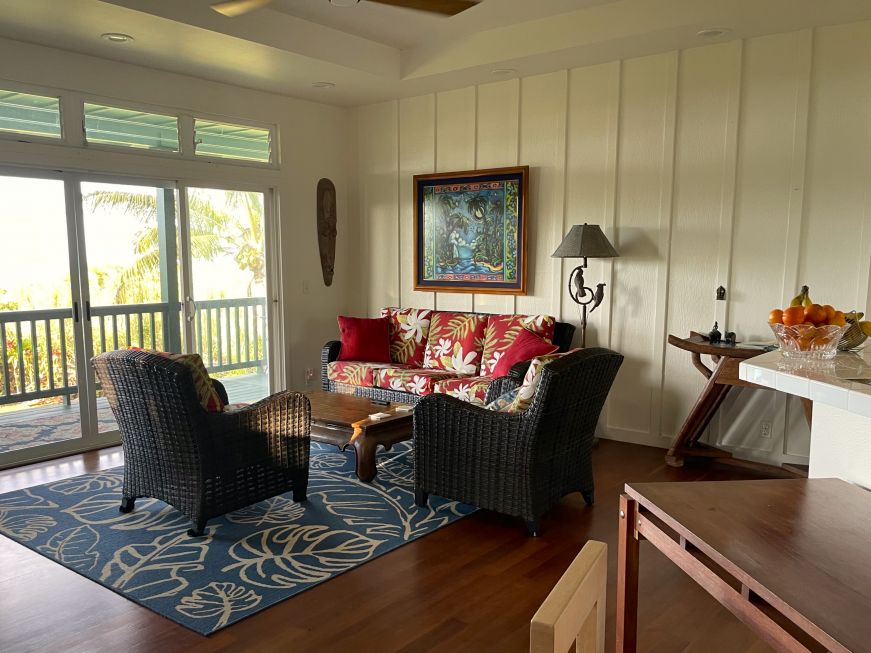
[[203, 464], [519, 464]]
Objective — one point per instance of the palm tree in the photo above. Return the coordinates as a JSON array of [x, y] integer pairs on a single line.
[[210, 227]]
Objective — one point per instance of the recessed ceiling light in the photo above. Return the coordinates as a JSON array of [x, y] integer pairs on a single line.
[[503, 71], [713, 32], [344, 3], [117, 37], [324, 84]]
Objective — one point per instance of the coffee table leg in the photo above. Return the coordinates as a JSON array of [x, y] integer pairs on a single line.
[[627, 577], [365, 449]]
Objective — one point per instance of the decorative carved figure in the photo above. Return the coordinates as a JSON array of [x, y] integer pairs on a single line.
[[327, 228]]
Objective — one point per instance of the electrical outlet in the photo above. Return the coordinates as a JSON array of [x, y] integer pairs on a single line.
[[309, 375], [765, 429]]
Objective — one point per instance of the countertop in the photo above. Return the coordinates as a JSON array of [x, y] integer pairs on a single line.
[[844, 382]]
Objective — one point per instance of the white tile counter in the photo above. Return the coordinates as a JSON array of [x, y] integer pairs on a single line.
[[841, 392]]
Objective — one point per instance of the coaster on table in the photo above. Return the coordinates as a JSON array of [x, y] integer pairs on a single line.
[[404, 408], [379, 415]]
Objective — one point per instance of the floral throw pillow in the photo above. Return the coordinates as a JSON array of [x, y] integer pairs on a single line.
[[502, 330], [526, 391], [408, 331], [206, 393], [455, 342], [503, 402]]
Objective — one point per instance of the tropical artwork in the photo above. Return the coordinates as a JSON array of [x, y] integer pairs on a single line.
[[470, 231]]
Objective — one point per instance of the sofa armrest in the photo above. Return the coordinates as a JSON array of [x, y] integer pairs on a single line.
[[329, 353]]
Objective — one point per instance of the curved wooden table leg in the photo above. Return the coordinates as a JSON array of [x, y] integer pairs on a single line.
[[365, 449], [700, 416]]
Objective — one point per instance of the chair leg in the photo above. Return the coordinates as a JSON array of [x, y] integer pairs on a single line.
[[534, 527], [300, 487], [589, 497], [421, 498], [198, 529], [127, 504]]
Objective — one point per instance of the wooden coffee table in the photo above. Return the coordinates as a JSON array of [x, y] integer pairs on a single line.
[[343, 420]]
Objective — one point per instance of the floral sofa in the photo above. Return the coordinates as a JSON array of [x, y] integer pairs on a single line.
[[438, 352]]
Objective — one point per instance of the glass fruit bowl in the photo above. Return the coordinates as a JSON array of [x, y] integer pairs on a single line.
[[808, 341]]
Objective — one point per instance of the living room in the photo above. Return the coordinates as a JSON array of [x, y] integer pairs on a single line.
[[682, 169]]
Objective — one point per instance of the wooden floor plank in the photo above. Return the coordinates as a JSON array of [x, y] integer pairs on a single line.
[[472, 586]]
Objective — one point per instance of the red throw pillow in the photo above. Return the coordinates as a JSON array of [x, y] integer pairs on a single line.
[[365, 339], [526, 346]]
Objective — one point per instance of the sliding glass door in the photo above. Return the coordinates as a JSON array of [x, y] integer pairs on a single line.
[[40, 347], [131, 297], [227, 310], [93, 265]]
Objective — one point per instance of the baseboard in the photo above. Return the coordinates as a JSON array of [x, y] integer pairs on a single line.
[[633, 437]]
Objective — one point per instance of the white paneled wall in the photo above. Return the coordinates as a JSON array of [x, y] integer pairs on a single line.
[[746, 164]]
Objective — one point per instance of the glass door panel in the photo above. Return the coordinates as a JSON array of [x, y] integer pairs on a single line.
[[131, 257], [39, 352], [226, 236]]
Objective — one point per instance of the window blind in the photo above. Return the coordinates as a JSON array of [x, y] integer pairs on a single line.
[[126, 127], [232, 141], [24, 113]]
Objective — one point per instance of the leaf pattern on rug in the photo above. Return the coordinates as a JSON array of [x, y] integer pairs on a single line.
[[157, 569], [219, 600], [23, 526], [286, 556], [75, 547], [277, 510], [149, 514], [93, 483]]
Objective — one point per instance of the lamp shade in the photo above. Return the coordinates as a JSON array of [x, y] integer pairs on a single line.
[[585, 241]]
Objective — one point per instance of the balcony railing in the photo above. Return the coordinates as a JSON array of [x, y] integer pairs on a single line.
[[37, 348]]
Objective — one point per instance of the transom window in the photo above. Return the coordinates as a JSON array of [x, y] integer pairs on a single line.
[[23, 113], [227, 141], [125, 127]]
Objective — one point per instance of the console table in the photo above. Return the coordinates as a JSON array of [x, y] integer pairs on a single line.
[[721, 379], [788, 557]]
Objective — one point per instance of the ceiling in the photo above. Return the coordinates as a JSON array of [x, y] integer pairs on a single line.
[[374, 52]]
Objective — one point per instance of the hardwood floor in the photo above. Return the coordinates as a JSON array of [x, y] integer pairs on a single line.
[[472, 586]]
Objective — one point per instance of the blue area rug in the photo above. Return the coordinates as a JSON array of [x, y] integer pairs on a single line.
[[248, 560]]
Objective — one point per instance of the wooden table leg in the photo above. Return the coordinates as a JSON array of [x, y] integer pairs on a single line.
[[365, 449], [700, 416], [627, 577]]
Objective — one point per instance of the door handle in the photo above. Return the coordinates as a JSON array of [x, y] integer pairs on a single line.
[[191, 308], [75, 312], [88, 311]]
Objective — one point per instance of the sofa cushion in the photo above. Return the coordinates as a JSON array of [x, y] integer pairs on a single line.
[[472, 389], [455, 342], [502, 331], [356, 372], [504, 402], [364, 339], [408, 332], [416, 381], [526, 346]]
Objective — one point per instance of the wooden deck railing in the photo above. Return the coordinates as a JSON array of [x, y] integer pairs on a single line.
[[37, 348]]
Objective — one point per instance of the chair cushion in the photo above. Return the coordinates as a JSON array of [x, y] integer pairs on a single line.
[[416, 381], [455, 342], [502, 330], [356, 372], [206, 393], [527, 389], [408, 331], [364, 339], [472, 389], [526, 346]]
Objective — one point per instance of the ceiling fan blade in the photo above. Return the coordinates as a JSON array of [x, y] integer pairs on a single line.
[[446, 7], [233, 8]]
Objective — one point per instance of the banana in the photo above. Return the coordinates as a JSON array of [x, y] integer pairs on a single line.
[[866, 328], [801, 297], [854, 316]]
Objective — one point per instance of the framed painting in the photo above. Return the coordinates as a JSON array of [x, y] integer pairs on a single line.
[[470, 231]]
